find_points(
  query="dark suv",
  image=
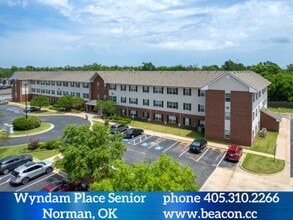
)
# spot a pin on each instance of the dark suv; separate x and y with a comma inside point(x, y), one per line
point(32, 109)
point(118, 128)
point(133, 132)
point(9, 163)
point(198, 145)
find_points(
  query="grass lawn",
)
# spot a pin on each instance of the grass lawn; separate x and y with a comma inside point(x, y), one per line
point(281, 110)
point(40, 154)
point(44, 126)
point(265, 144)
point(166, 129)
point(262, 165)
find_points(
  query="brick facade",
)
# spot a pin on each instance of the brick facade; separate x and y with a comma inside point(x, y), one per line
point(241, 118)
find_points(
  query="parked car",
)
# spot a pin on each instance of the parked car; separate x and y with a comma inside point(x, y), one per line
point(133, 132)
point(32, 109)
point(65, 185)
point(9, 163)
point(234, 153)
point(198, 145)
point(3, 101)
point(24, 173)
point(118, 128)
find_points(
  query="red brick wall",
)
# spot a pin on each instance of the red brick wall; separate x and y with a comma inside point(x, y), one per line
point(215, 114)
point(268, 122)
point(96, 90)
point(241, 117)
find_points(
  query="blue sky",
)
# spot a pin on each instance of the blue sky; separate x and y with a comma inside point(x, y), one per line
point(129, 32)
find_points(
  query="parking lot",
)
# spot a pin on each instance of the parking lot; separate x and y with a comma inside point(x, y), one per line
point(147, 147)
point(139, 149)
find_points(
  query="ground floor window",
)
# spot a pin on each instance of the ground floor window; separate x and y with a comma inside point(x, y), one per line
point(158, 117)
point(187, 121)
point(172, 119)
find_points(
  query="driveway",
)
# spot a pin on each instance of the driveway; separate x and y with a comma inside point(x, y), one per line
point(59, 121)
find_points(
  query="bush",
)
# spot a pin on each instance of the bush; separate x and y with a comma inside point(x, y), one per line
point(23, 123)
point(51, 144)
point(121, 120)
point(33, 144)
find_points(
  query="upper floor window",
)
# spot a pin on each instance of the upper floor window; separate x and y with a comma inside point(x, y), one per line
point(77, 84)
point(65, 84)
point(187, 91)
point(200, 108)
point(53, 83)
point(59, 83)
point(123, 99)
point(201, 93)
point(133, 88)
point(85, 95)
point(123, 87)
point(158, 103)
point(227, 115)
point(112, 86)
point(172, 91)
point(72, 84)
point(133, 101)
point(172, 105)
point(228, 97)
point(158, 89)
point(146, 102)
point(145, 89)
point(187, 106)
point(113, 98)
point(85, 85)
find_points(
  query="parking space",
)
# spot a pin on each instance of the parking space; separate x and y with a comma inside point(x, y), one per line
point(36, 184)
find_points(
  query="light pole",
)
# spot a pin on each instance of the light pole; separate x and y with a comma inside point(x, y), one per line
point(25, 97)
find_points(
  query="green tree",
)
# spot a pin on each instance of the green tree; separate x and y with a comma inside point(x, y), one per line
point(69, 102)
point(40, 101)
point(3, 137)
point(89, 153)
point(231, 66)
point(165, 174)
point(107, 108)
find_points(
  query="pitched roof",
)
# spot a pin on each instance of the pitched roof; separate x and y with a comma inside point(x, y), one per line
point(193, 79)
point(70, 76)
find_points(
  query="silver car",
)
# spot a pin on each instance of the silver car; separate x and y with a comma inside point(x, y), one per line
point(24, 173)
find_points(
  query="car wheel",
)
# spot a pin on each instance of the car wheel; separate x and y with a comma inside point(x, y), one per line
point(25, 180)
point(49, 170)
point(6, 171)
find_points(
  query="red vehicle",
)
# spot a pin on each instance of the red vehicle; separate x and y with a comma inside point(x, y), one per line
point(65, 185)
point(234, 153)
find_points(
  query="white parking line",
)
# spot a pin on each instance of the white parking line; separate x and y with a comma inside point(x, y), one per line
point(187, 149)
point(4, 182)
point(140, 138)
point(206, 150)
point(156, 142)
point(52, 174)
point(170, 146)
point(221, 159)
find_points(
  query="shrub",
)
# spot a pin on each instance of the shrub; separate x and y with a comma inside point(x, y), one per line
point(33, 144)
point(23, 123)
point(51, 144)
point(121, 120)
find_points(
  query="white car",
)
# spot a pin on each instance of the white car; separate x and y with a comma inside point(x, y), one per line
point(24, 173)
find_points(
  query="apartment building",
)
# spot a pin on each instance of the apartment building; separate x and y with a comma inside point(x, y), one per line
point(225, 105)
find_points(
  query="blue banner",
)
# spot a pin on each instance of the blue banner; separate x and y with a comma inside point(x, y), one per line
point(146, 205)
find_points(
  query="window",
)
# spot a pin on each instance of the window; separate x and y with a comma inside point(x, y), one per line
point(132, 88)
point(187, 106)
point(65, 84)
point(187, 91)
point(72, 93)
point(123, 99)
point(201, 93)
point(85, 85)
point(123, 87)
point(48, 91)
point(172, 91)
point(227, 134)
point(187, 121)
point(42, 90)
point(42, 82)
point(59, 92)
point(158, 103)
point(145, 89)
point(65, 93)
point(112, 86)
point(53, 92)
point(227, 115)
point(200, 108)
point(77, 94)
point(173, 105)
point(59, 83)
point(133, 101)
point(85, 95)
point(47, 82)
point(228, 97)
point(77, 84)
point(72, 84)
point(113, 98)
point(146, 102)
point(158, 117)
point(172, 119)
point(53, 83)
point(158, 89)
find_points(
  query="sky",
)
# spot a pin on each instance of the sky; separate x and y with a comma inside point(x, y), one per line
point(51, 33)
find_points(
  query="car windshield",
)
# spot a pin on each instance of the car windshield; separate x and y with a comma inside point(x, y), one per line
point(231, 152)
point(196, 144)
point(14, 173)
